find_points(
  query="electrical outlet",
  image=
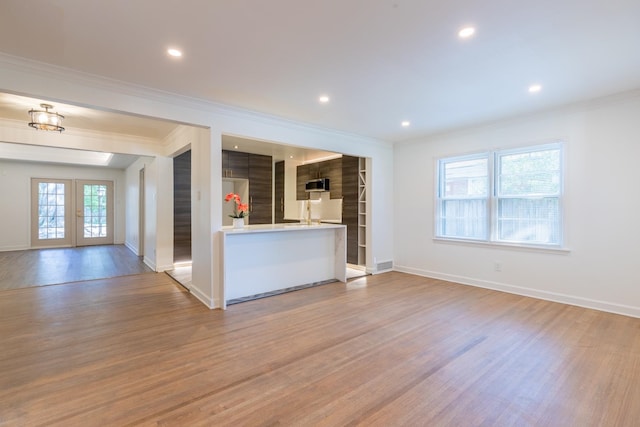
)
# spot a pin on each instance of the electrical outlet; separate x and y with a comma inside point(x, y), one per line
point(497, 266)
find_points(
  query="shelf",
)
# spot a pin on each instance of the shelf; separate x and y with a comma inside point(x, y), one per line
point(362, 215)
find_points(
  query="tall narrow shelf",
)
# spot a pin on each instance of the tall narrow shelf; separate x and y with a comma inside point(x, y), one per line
point(362, 211)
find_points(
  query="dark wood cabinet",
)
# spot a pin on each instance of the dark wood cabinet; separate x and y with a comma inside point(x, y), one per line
point(331, 169)
point(350, 171)
point(260, 187)
point(278, 192)
point(302, 176)
point(235, 164)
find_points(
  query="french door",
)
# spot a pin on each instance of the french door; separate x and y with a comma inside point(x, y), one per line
point(51, 212)
point(94, 213)
point(61, 218)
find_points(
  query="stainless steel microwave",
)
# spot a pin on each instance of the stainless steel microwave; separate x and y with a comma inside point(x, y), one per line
point(320, 184)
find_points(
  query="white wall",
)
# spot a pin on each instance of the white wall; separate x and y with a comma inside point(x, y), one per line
point(15, 192)
point(132, 197)
point(602, 201)
point(158, 214)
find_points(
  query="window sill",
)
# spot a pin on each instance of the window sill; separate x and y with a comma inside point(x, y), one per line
point(500, 245)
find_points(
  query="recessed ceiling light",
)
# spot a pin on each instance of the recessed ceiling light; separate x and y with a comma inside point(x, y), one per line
point(323, 99)
point(405, 123)
point(291, 157)
point(466, 32)
point(174, 52)
point(235, 146)
point(535, 88)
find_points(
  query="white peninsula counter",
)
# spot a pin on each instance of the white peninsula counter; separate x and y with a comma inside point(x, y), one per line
point(264, 259)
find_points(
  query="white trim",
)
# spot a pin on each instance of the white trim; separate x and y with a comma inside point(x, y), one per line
point(14, 248)
point(209, 302)
point(149, 263)
point(132, 248)
point(164, 267)
point(605, 306)
point(553, 249)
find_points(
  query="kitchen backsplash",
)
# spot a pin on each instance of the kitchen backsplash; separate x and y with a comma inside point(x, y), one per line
point(322, 209)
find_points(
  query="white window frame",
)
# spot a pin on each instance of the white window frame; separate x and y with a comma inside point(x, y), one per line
point(492, 196)
point(441, 188)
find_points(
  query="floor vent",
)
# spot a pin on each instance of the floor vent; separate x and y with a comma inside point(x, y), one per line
point(382, 266)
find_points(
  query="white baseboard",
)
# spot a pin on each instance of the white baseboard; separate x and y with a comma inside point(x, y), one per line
point(209, 302)
point(132, 248)
point(165, 267)
point(14, 248)
point(609, 307)
point(149, 263)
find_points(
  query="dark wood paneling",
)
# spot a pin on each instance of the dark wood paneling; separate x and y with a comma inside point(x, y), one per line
point(279, 193)
point(302, 176)
point(332, 169)
point(235, 164)
point(350, 205)
point(182, 207)
point(260, 189)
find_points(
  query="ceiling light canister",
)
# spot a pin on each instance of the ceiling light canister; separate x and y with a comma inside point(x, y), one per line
point(405, 123)
point(46, 120)
point(174, 52)
point(535, 88)
point(323, 99)
point(466, 32)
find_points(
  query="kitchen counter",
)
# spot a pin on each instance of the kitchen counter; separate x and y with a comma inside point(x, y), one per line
point(288, 226)
point(266, 259)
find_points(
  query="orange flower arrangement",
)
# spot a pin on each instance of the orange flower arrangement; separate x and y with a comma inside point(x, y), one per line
point(240, 210)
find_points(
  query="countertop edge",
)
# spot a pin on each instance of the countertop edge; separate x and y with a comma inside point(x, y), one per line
point(275, 228)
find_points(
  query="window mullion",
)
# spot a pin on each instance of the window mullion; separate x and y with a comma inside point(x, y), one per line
point(492, 206)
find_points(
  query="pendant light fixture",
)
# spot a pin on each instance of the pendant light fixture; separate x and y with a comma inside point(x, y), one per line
point(46, 120)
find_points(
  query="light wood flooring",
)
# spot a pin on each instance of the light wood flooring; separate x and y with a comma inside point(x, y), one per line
point(39, 267)
point(385, 350)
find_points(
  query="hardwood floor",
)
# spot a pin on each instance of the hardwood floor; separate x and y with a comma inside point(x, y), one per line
point(384, 350)
point(39, 267)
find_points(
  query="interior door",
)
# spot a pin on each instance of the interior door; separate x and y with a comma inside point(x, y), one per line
point(94, 213)
point(51, 213)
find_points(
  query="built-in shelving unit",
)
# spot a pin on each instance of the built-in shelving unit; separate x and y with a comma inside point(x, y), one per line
point(362, 211)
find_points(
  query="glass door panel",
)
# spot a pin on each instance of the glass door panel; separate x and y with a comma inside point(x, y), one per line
point(50, 213)
point(94, 213)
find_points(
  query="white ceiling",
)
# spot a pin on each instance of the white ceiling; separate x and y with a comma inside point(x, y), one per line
point(380, 61)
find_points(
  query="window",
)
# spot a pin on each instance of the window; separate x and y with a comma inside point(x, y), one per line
point(506, 196)
point(464, 197)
